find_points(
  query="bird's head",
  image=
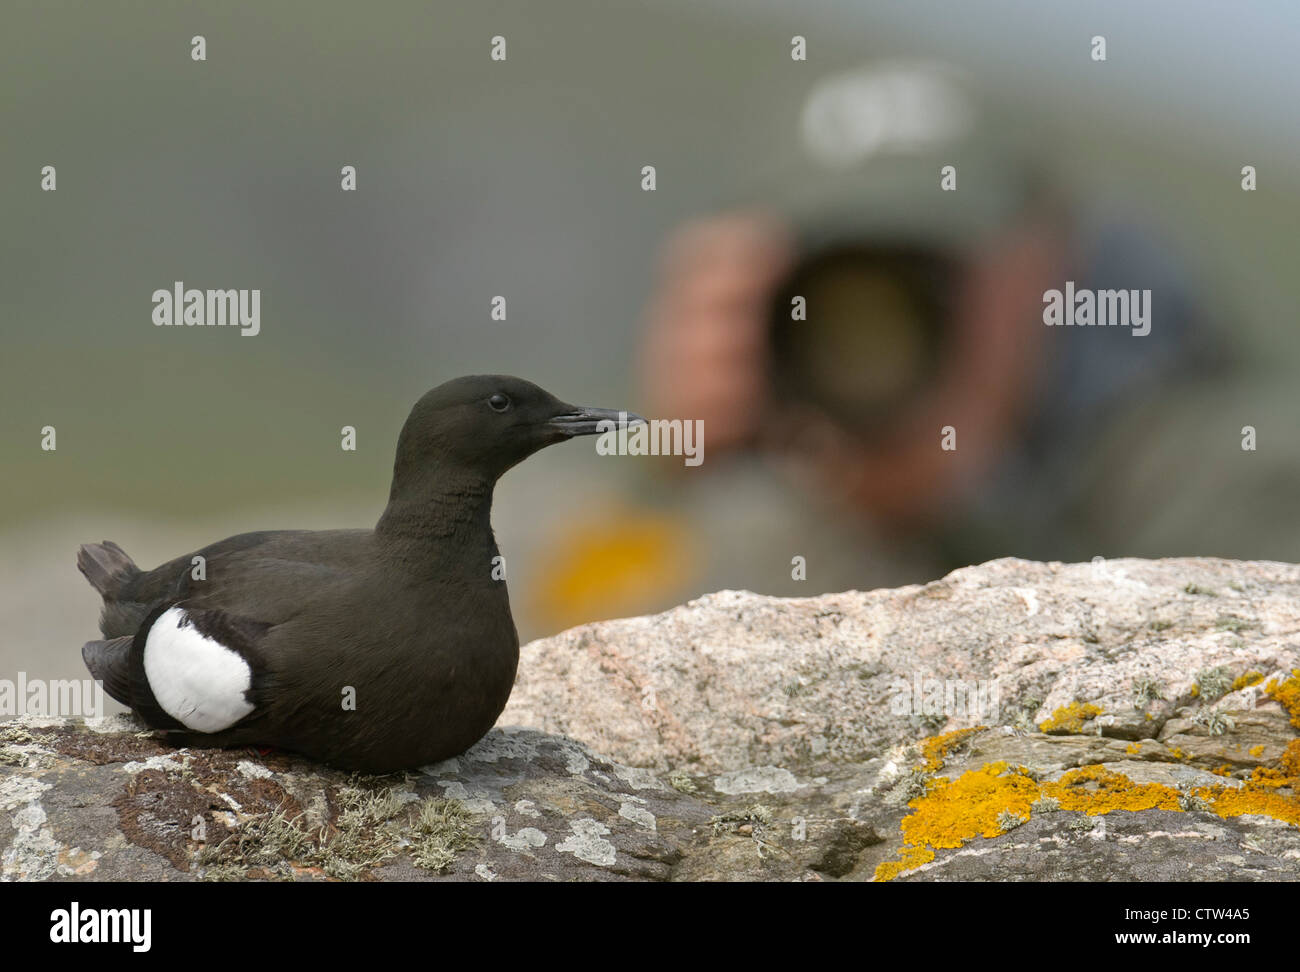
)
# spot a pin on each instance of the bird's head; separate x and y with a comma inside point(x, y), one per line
point(489, 423)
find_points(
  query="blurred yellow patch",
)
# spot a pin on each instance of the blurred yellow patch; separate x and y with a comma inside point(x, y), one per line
point(615, 564)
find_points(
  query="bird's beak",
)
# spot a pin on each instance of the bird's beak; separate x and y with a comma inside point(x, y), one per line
point(576, 420)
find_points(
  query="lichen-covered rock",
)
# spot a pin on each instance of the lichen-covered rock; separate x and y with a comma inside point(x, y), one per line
point(109, 802)
point(1134, 720)
point(1151, 704)
point(735, 679)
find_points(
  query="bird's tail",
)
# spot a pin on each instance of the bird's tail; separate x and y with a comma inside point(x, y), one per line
point(107, 567)
point(110, 662)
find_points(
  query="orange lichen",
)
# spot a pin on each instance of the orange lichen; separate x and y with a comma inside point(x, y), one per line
point(1096, 790)
point(954, 812)
point(1246, 681)
point(951, 813)
point(1264, 776)
point(1224, 770)
point(1291, 759)
point(1133, 748)
point(1287, 692)
point(1177, 753)
point(1229, 801)
point(1256, 751)
point(909, 860)
point(1070, 718)
point(934, 749)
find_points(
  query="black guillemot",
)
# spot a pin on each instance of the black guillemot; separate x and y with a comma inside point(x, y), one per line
point(373, 650)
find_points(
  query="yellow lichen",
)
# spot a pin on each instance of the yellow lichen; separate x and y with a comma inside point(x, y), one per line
point(980, 801)
point(909, 860)
point(1196, 690)
point(1247, 680)
point(954, 812)
point(1096, 790)
point(1228, 801)
point(1070, 718)
point(1133, 748)
point(1287, 692)
point(1291, 759)
point(1265, 776)
point(934, 749)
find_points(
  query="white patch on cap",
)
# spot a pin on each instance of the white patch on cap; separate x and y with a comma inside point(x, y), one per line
point(198, 682)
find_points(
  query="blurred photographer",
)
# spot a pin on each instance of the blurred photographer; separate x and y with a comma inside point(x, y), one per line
point(881, 398)
point(836, 332)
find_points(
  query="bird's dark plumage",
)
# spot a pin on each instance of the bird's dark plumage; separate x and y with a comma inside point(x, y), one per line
point(374, 650)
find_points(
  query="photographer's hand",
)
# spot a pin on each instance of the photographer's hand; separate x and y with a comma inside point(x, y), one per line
point(705, 354)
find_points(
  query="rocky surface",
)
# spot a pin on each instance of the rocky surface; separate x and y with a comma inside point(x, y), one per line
point(1128, 720)
point(734, 679)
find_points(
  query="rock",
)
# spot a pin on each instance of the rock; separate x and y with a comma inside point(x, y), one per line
point(1131, 720)
point(735, 679)
point(1156, 674)
point(111, 803)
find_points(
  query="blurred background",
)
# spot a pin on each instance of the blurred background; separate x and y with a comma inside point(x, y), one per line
point(776, 179)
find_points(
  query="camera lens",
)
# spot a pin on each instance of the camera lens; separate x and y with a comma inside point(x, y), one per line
point(874, 323)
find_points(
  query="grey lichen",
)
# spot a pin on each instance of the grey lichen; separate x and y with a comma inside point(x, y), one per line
point(1145, 691)
point(1187, 800)
point(368, 831)
point(928, 722)
point(360, 840)
point(442, 828)
point(753, 822)
point(1009, 821)
point(681, 781)
point(732, 821)
point(1215, 722)
point(1214, 682)
point(1022, 722)
point(908, 787)
point(269, 841)
point(1230, 622)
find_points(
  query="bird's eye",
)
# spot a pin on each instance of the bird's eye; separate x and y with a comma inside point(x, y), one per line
point(498, 402)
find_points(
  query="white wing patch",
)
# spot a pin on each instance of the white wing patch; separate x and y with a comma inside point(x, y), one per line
point(198, 682)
